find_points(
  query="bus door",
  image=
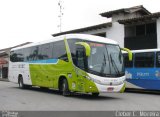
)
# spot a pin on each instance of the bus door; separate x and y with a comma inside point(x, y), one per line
point(128, 66)
point(81, 64)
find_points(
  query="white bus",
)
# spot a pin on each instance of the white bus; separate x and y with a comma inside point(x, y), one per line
point(70, 63)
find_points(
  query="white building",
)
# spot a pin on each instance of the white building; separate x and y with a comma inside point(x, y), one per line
point(134, 28)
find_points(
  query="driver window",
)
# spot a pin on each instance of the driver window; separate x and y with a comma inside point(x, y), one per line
point(80, 55)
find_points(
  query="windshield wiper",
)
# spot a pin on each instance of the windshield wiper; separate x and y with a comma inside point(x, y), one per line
point(103, 64)
point(114, 66)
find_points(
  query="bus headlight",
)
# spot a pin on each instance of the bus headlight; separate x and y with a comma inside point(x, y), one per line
point(93, 79)
point(89, 78)
point(121, 82)
point(97, 81)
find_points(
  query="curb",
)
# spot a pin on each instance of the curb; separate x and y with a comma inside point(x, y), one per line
point(2, 79)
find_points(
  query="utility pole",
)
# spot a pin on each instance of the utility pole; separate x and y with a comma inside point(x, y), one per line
point(60, 15)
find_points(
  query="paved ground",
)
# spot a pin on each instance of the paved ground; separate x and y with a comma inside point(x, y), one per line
point(13, 98)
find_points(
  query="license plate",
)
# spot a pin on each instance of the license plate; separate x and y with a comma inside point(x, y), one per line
point(110, 89)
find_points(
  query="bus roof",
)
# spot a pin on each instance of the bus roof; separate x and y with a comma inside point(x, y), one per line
point(86, 37)
point(144, 50)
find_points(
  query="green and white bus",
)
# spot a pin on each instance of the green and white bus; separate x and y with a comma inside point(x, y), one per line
point(70, 63)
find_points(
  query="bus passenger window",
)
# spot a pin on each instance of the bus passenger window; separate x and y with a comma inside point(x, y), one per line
point(17, 56)
point(59, 51)
point(158, 59)
point(45, 51)
point(72, 46)
point(143, 60)
point(127, 63)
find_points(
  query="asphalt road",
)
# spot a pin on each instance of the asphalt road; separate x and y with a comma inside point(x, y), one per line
point(13, 98)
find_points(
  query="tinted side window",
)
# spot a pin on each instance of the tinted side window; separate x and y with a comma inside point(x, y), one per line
point(17, 56)
point(127, 63)
point(13, 56)
point(20, 55)
point(144, 59)
point(80, 55)
point(72, 47)
point(33, 53)
point(59, 50)
point(158, 59)
point(44, 52)
point(27, 54)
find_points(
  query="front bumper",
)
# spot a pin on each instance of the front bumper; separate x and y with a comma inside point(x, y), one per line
point(112, 88)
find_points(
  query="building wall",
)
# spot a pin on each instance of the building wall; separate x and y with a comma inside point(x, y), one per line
point(158, 33)
point(117, 17)
point(116, 32)
point(4, 67)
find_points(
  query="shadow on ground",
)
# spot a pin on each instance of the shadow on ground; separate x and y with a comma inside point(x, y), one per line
point(143, 91)
point(73, 95)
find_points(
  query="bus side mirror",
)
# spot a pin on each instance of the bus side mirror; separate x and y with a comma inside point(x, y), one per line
point(129, 53)
point(86, 46)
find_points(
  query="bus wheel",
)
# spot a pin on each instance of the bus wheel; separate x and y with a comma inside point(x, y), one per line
point(44, 88)
point(95, 94)
point(20, 82)
point(65, 89)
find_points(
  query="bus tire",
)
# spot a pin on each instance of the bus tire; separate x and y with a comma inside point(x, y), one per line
point(95, 94)
point(44, 88)
point(20, 82)
point(65, 89)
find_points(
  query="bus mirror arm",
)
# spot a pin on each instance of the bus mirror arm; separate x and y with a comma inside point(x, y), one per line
point(129, 53)
point(86, 46)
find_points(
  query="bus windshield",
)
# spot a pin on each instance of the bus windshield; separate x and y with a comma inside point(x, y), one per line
point(105, 60)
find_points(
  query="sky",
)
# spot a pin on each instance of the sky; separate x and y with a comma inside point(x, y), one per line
point(35, 20)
